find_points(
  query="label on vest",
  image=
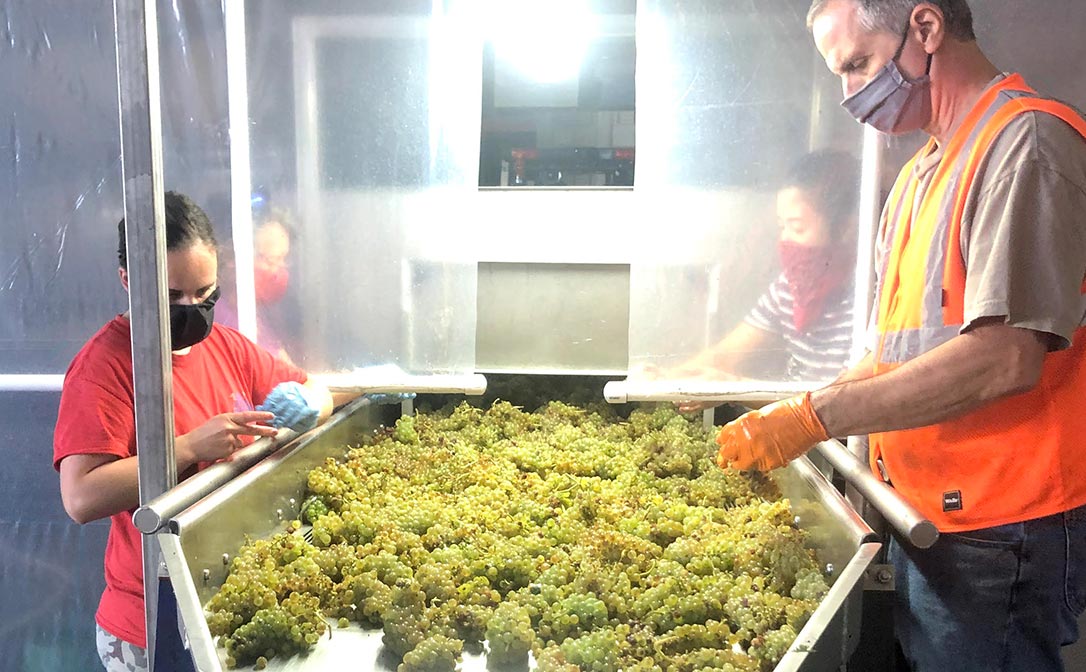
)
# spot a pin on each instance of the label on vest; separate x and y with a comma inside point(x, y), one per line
point(952, 501)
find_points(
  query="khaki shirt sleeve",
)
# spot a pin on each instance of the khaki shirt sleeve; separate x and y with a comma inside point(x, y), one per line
point(1024, 230)
point(881, 253)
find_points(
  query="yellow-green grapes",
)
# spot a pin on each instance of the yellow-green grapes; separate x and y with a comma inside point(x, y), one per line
point(593, 542)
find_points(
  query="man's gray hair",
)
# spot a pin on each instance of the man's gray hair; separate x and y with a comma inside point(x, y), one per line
point(892, 16)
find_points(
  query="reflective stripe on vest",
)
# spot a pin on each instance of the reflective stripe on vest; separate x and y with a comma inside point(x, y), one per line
point(918, 311)
point(1017, 458)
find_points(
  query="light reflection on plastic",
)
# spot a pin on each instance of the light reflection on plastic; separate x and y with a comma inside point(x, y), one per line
point(455, 90)
point(656, 113)
point(546, 41)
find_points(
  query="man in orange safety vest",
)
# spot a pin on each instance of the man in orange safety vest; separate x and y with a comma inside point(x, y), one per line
point(976, 361)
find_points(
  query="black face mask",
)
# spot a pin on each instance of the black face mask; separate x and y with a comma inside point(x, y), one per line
point(190, 324)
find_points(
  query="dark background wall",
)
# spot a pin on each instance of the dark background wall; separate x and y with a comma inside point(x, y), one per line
point(50, 568)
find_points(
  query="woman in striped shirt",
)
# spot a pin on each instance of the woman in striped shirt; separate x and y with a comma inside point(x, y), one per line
point(807, 312)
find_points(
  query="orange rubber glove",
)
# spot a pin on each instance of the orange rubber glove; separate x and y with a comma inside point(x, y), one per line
point(770, 437)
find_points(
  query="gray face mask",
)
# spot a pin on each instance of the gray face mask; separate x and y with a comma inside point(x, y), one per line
point(890, 102)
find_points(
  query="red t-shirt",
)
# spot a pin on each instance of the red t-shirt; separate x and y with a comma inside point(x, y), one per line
point(219, 375)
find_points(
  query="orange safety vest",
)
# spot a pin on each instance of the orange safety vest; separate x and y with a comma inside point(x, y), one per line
point(1016, 459)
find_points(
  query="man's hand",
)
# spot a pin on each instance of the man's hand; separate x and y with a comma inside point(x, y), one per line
point(292, 407)
point(220, 436)
point(772, 436)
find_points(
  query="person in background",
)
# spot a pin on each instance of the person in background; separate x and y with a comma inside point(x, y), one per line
point(807, 312)
point(973, 386)
point(216, 371)
point(271, 279)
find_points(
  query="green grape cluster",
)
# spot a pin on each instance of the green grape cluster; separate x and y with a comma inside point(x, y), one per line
point(509, 634)
point(715, 660)
point(772, 646)
point(593, 542)
point(292, 626)
point(405, 622)
point(551, 659)
point(370, 597)
point(313, 508)
point(405, 431)
point(572, 615)
point(687, 638)
point(436, 653)
point(809, 585)
point(339, 561)
point(242, 595)
point(304, 576)
point(597, 651)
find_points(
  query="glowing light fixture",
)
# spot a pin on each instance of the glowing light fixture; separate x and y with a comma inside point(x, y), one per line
point(545, 40)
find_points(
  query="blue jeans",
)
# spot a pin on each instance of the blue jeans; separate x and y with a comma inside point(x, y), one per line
point(1000, 599)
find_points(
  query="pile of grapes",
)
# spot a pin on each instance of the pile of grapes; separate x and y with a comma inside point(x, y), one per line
point(592, 542)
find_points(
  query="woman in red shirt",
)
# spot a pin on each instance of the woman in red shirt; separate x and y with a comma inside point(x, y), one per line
point(217, 372)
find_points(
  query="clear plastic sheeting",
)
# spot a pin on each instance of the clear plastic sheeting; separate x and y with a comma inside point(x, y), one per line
point(730, 97)
point(381, 128)
point(59, 181)
point(60, 188)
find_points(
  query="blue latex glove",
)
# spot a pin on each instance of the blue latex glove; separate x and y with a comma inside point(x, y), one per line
point(389, 397)
point(292, 407)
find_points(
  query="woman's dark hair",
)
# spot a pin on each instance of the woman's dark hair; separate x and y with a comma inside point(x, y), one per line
point(831, 179)
point(186, 223)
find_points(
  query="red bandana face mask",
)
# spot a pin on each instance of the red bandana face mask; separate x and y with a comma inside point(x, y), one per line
point(271, 286)
point(814, 274)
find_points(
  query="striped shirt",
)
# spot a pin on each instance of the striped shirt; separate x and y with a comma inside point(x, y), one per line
point(821, 352)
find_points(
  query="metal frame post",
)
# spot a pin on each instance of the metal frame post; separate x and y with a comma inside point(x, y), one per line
point(870, 213)
point(136, 30)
